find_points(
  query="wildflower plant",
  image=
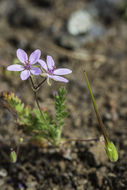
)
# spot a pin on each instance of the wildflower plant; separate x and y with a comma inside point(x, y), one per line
point(38, 123)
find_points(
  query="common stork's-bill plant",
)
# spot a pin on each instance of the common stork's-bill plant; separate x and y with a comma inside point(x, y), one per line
point(37, 122)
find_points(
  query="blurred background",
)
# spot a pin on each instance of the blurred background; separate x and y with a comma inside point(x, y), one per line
point(80, 35)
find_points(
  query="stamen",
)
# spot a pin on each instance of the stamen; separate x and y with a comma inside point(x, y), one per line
point(27, 65)
point(51, 71)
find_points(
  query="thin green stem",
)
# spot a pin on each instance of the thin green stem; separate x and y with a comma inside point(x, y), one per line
point(96, 110)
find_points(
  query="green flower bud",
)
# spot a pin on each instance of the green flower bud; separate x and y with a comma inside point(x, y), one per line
point(13, 156)
point(111, 151)
point(21, 140)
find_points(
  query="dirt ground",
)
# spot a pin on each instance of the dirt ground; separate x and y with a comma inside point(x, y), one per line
point(42, 24)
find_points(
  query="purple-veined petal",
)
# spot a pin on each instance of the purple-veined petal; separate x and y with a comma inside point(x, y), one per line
point(15, 67)
point(50, 62)
point(22, 56)
point(57, 78)
point(36, 71)
point(43, 64)
point(35, 56)
point(62, 71)
point(25, 74)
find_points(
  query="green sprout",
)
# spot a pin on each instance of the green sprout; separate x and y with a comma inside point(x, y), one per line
point(34, 124)
point(13, 156)
point(109, 146)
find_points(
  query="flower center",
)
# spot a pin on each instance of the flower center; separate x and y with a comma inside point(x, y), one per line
point(27, 65)
point(51, 71)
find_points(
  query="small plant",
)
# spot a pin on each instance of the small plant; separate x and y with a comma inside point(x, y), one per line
point(38, 123)
point(109, 146)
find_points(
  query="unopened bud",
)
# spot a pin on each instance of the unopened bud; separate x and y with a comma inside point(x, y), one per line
point(21, 140)
point(13, 156)
point(111, 151)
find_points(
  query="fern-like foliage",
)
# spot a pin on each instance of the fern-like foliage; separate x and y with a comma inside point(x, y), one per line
point(33, 123)
point(60, 107)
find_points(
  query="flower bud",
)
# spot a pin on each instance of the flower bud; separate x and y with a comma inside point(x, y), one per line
point(21, 140)
point(13, 156)
point(111, 151)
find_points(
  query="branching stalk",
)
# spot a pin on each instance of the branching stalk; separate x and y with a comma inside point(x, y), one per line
point(36, 98)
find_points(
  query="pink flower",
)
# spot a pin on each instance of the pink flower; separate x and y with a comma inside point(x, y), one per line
point(26, 64)
point(51, 71)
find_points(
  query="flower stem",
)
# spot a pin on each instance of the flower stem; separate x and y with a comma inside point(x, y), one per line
point(96, 111)
point(36, 98)
point(36, 88)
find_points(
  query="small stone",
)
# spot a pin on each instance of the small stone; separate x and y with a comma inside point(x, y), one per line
point(98, 151)
point(3, 173)
point(112, 175)
point(80, 22)
point(62, 166)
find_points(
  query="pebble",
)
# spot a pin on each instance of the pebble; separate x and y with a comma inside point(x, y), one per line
point(98, 150)
point(80, 22)
point(84, 26)
point(3, 173)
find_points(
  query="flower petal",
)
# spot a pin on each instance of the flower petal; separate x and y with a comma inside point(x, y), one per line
point(58, 78)
point(22, 56)
point(15, 67)
point(62, 71)
point(35, 56)
point(50, 62)
point(36, 71)
point(43, 64)
point(25, 74)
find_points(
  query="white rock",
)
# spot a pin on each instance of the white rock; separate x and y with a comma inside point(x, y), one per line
point(80, 22)
point(3, 173)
